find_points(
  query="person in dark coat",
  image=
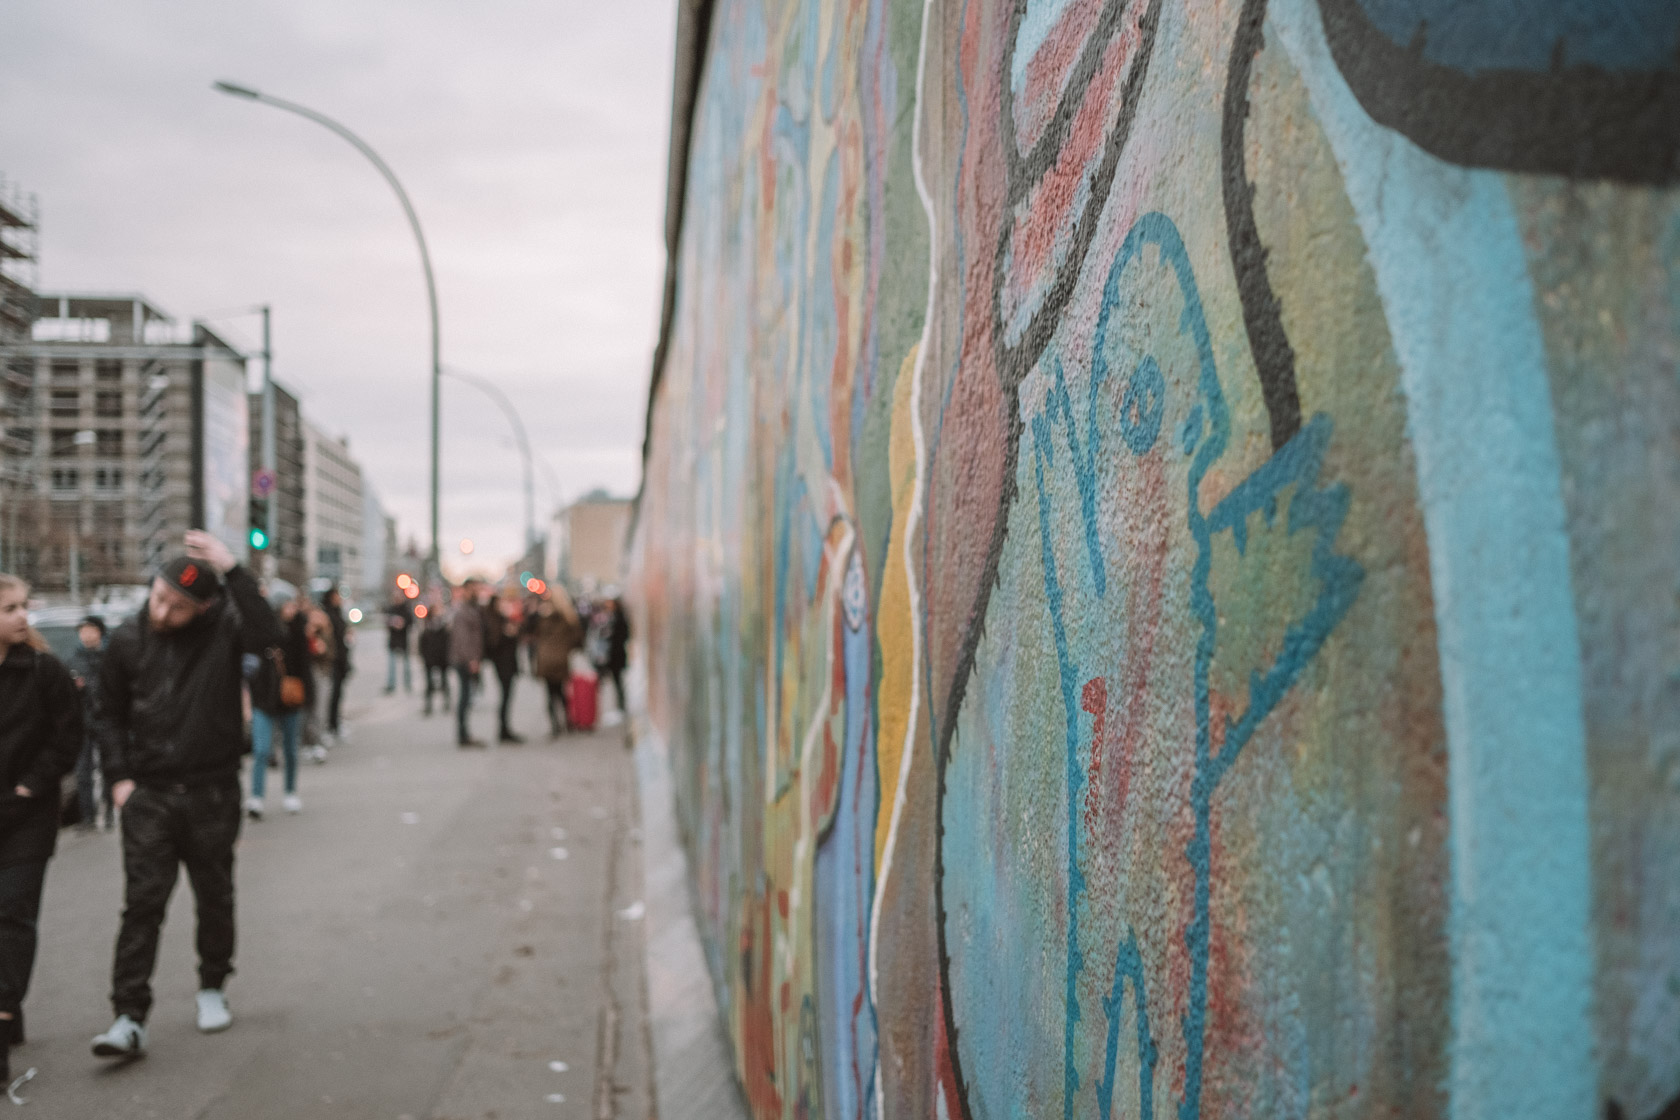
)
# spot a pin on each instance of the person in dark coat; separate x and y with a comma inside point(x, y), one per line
point(172, 733)
point(399, 620)
point(503, 639)
point(40, 736)
point(434, 654)
point(333, 604)
point(84, 667)
point(270, 710)
point(467, 646)
point(617, 659)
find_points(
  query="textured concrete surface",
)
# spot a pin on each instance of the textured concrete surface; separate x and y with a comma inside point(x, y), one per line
point(410, 945)
point(1156, 554)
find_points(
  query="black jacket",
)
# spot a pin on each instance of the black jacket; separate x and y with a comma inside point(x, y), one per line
point(341, 642)
point(171, 707)
point(40, 724)
point(398, 618)
point(84, 666)
point(503, 648)
point(294, 662)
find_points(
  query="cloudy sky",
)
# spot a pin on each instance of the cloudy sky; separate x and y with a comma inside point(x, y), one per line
point(531, 138)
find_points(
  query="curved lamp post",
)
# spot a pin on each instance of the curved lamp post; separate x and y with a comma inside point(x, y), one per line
point(489, 388)
point(435, 570)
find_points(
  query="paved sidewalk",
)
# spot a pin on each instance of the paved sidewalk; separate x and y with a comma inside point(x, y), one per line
point(441, 933)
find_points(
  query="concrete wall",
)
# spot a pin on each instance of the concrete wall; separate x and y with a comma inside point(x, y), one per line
point(1159, 555)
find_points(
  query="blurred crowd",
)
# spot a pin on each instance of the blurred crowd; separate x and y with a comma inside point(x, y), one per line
point(154, 717)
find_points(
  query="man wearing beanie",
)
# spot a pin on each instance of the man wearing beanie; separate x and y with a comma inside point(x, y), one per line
point(171, 736)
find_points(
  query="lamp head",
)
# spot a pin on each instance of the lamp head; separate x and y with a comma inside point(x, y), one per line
point(237, 90)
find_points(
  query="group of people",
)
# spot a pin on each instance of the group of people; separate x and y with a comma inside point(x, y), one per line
point(315, 642)
point(163, 702)
point(565, 643)
point(157, 709)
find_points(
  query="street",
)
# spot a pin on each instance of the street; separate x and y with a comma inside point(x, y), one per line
point(441, 933)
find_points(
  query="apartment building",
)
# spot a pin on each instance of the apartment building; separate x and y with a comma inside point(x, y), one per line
point(135, 434)
point(19, 229)
point(333, 513)
point(586, 541)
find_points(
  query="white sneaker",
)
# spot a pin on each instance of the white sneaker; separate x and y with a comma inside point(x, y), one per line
point(213, 1013)
point(254, 808)
point(125, 1039)
point(318, 754)
point(293, 803)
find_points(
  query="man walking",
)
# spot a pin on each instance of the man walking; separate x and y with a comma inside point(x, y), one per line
point(333, 604)
point(467, 634)
point(85, 663)
point(171, 734)
point(399, 619)
point(434, 654)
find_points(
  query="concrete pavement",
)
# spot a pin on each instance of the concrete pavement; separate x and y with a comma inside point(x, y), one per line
point(440, 934)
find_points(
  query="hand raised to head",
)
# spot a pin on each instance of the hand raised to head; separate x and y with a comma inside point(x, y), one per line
point(208, 549)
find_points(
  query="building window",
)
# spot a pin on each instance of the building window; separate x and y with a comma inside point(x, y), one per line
point(63, 372)
point(65, 402)
point(66, 478)
point(107, 369)
point(108, 403)
point(63, 444)
point(108, 443)
point(108, 478)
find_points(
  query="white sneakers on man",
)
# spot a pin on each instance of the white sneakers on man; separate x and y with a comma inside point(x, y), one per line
point(254, 808)
point(125, 1039)
point(213, 1013)
point(292, 803)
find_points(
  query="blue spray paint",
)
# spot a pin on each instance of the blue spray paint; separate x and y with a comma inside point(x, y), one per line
point(1294, 469)
point(1450, 266)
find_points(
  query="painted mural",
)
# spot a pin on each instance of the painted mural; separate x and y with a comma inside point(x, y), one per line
point(1160, 556)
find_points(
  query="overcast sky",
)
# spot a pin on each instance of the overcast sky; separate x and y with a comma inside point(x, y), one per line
point(531, 138)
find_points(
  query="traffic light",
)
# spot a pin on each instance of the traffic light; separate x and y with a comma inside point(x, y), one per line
point(258, 518)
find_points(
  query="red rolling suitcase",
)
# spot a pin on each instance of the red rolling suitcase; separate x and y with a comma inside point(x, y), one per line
point(581, 703)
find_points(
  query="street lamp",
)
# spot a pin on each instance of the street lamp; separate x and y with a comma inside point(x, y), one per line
point(490, 389)
point(436, 571)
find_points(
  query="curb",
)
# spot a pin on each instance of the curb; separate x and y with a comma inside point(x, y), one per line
point(693, 1063)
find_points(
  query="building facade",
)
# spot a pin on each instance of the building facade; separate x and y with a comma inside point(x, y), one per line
point(379, 547)
point(586, 542)
point(19, 227)
point(333, 508)
point(133, 436)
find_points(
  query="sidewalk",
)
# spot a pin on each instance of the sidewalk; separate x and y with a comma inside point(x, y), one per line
point(441, 933)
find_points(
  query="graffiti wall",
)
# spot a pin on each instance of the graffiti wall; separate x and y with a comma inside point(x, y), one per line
point(1160, 555)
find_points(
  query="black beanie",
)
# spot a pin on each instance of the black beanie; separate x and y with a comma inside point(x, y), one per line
point(192, 578)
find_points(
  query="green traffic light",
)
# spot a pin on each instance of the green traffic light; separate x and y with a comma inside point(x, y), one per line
point(524, 578)
point(259, 539)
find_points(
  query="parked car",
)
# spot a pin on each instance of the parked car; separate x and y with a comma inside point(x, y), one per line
point(58, 626)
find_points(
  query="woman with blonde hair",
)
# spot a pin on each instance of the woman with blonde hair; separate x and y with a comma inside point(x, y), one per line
point(559, 631)
point(40, 739)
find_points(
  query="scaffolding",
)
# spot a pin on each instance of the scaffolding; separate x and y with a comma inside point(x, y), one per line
point(19, 274)
point(20, 232)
